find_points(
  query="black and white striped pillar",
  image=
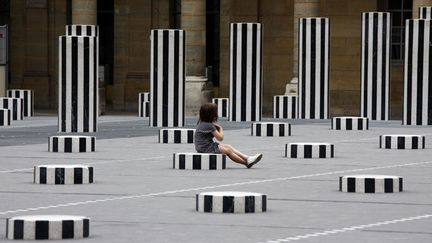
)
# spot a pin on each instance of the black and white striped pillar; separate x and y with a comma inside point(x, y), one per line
point(418, 75)
point(314, 47)
point(350, 123)
point(375, 72)
point(223, 106)
point(27, 96)
point(5, 117)
point(63, 174)
point(78, 84)
point(82, 30)
point(199, 161)
point(284, 107)
point(270, 129)
point(143, 104)
point(309, 150)
point(402, 141)
point(245, 72)
point(370, 183)
point(15, 105)
point(167, 78)
point(47, 227)
point(425, 13)
point(231, 202)
point(71, 144)
point(176, 135)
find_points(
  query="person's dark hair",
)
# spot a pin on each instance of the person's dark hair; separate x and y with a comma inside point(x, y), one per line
point(208, 113)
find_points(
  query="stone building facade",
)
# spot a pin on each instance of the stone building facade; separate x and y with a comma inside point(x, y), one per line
point(125, 28)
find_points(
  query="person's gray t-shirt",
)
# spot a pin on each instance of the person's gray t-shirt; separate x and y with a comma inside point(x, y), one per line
point(204, 138)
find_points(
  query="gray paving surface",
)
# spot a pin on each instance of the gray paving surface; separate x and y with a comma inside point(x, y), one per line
point(137, 197)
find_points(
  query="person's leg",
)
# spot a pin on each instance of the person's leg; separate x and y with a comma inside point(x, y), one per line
point(229, 151)
point(245, 157)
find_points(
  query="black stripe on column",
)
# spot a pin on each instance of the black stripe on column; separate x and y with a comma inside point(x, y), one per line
point(42, 175)
point(196, 202)
point(190, 136)
point(243, 81)
point(332, 150)
point(91, 176)
point(62, 116)
point(67, 229)
point(348, 124)
point(93, 144)
point(351, 184)
point(338, 123)
point(165, 76)
point(208, 203)
point(307, 151)
point(380, 141)
point(177, 79)
point(86, 110)
point(196, 162)
point(269, 130)
point(369, 184)
point(59, 175)
point(86, 228)
point(322, 151)
point(18, 230)
point(410, 70)
point(400, 184)
point(293, 151)
point(78, 176)
point(400, 142)
point(55, 144)
point(249, 204)
point(95, 82)
point(340, 183)
point(234, 74)
point(374, 65)
point(165, 136)
point(388, 185)
point(182, 161)
point(414, 143)
point(359, 124)
point(264, 203)
point(42, 230)
point(213, 162)
point(258, 129)
point(82, 144)
point(228, 204)
point(68, 145)
point(255, 89)
point(388, 142)
point(281, 130)
point(303, 63)
point(74, 82)
point(324, 65)
point(385, 81)
point(177, 136)
point(420, 72)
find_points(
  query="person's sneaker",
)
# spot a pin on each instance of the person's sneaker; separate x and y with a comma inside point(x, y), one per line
point(252, 160)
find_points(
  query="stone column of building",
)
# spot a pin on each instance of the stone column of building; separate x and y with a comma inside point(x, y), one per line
point(302, 8)
point(193, 21)
point(417, 4)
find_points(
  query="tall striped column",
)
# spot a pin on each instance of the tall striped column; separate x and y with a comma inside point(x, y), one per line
point(425, 13)
point(417, 73)
point(82, 30)
point(375, 73)
point(314, 46)
point(245, 72)
point(167, 78)
point(78, 83)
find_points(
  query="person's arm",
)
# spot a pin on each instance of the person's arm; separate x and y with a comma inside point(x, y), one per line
point(218, 133)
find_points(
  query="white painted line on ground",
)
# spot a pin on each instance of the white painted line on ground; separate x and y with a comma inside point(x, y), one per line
point(352, 228)
point(207, 187)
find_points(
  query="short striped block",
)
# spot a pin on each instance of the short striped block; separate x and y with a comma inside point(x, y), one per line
point(350, 123)
point(47, 227)
point(199, 161)
point(370, 183)
point(309, 150)
point(27, 96)
point(270, 129)
point(402, 141)
point(82, 30)
point(16, 106)
point(285, 107)
point(223, 106)
point(143, 104)
point(71, 144)
point(231, 202)
point(5, 117)
point(176, 135)
point(63, 174)
point(425, 12)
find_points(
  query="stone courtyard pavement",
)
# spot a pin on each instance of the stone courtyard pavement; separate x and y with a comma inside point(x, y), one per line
point(138, 197)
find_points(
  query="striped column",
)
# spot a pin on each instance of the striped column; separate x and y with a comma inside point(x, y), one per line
point(82, 30)
point(375, 73)
point(231, 202)
point(245, 72)
point(417, 76)
point(143, 104)
point(15, 105)
point(78, 84)
point(370, 183)
point(223, 106)
point(27, 96)
point(314, 35)
point(5, 117)
point(167, 78)
point(425, 13)
point(63, 174)
point(285, 107)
